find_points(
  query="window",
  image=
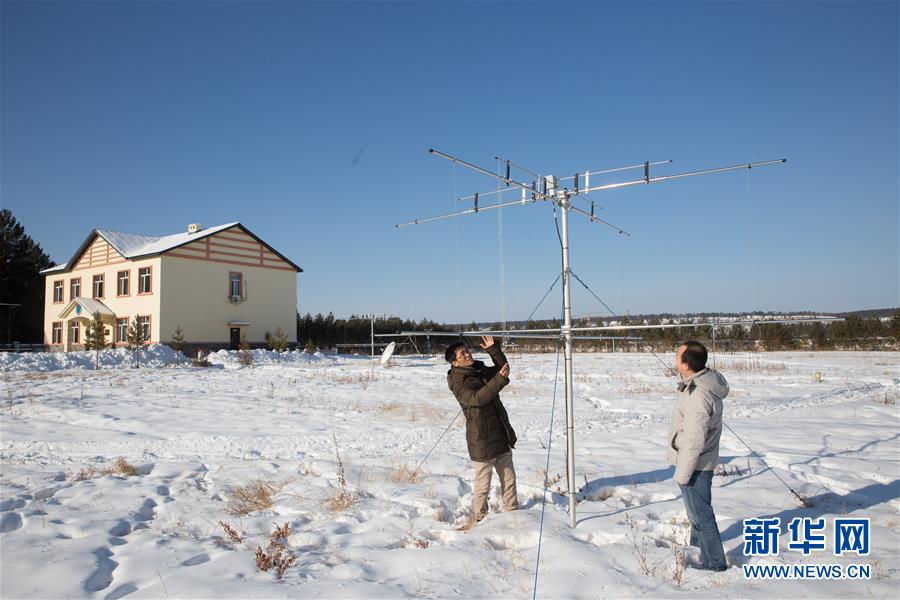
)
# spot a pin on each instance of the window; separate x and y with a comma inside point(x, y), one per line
point(57, 333)
point(73, 332)
point(122, 283)
point(144, 283)
point(74, 288)
point(235, 281)
point(57, 291)
point(144, 324)
point(98, 286)
point(122, 329)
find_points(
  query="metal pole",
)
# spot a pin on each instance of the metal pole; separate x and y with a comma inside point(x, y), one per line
point(567, 348)
point(372, 338)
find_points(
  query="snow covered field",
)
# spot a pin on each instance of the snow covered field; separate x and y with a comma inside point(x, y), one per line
point(195, 436)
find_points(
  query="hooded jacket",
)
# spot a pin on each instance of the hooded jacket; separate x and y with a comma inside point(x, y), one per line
point(477, 389)
point(696, 424)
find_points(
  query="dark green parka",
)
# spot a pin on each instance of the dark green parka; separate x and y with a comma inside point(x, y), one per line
point(477, 389)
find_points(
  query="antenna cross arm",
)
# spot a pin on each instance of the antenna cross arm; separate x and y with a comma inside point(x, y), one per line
point(505, 180)
point(612, 186)
point(468, 211)
point(598, 220)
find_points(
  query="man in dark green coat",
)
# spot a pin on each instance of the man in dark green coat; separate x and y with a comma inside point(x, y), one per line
point(489, 436)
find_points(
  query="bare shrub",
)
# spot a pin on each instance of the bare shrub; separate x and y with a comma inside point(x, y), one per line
point(253, 496)
point(680, 534)
point(274, 555)
point(343, 497)
point(233, 535)
point(245, 357)
point(638, 548)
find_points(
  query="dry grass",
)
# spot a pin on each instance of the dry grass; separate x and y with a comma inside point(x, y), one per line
point(253, 496)
point(120, 466)
point(732, 470)
point(406, 474)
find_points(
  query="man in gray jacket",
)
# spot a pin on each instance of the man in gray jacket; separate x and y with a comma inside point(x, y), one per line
point(694, 433)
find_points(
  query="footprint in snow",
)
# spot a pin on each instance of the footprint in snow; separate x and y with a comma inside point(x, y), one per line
point(196, 560)
point(147, 511)
point(10, 522)
point(120, 529)
point(102, 576)
point(11, 504)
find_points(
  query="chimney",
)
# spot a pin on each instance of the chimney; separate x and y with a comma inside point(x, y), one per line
point(194, 227)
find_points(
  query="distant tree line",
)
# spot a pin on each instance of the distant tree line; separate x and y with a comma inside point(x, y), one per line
point(326, 331)
point(853, 333)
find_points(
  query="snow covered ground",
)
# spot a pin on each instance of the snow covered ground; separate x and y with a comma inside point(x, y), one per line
point(195, 436)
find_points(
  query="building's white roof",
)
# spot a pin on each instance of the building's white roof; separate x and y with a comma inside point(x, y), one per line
point(61, 267)
point(131, 245)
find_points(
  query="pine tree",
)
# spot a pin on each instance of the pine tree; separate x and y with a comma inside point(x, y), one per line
point(95, 338)
point(279, 341)
point(245, 357)
point(21, 261)
point(177, 343)
point(135, 339)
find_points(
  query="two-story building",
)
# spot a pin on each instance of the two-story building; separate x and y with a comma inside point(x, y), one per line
point(217, 284)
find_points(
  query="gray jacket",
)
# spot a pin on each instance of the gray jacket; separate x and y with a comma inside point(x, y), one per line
point(696, 424)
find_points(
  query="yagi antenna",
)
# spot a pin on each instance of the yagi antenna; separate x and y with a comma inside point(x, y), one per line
point(550, 188)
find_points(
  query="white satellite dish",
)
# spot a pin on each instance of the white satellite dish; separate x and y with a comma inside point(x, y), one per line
point(388, 352)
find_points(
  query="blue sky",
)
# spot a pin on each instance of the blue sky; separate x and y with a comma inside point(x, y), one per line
point(310, 123)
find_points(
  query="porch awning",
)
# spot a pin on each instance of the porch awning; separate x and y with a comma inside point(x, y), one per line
point(85, 307)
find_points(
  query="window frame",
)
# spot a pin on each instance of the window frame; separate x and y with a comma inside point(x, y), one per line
point(56, 327)
point(98, 278)
point(60, 285)
point(127, 280)
point(149, 281)
point(72, 283)
point(240, 282)
point(124, 338)
point(149, 324)
point(75, 328)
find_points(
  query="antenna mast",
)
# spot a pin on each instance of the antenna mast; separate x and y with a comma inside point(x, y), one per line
point(551, 191)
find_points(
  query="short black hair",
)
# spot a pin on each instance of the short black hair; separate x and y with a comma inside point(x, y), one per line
point(450, 352)
point(694, 355)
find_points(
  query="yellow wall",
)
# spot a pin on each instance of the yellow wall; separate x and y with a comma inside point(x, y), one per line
point(127, 306)
point(195, 297)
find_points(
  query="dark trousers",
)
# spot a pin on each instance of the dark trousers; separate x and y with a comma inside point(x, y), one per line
point(697, 496)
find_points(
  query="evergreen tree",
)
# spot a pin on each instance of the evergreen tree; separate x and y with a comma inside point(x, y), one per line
point(177, 343)
point(135, 339)
point(279, 341)
point(95, 338)
point(21, 261)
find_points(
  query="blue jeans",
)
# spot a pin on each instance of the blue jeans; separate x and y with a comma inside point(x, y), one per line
point(697, 496)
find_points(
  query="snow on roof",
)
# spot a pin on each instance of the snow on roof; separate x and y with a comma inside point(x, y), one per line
point(61, 267)
point(90, 306)
point(131, 245)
